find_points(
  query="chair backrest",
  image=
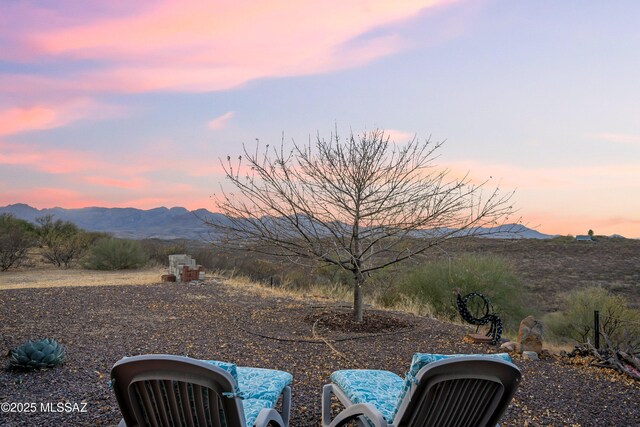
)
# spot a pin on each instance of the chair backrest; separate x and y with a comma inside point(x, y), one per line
point(164, 390)
point(465, 391)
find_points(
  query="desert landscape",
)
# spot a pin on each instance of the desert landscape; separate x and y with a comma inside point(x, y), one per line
point(316, 186)
point(103, 316)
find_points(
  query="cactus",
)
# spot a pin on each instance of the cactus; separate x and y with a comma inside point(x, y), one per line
point(37, 354)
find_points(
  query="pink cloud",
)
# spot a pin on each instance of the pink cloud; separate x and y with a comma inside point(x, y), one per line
point(50, 160)
point(41, 116)
point(132, 183)
point(220, 121)
point(398, 136)
point(213, 45)
point(15, 120)
point(561, 177)
point(92, 168)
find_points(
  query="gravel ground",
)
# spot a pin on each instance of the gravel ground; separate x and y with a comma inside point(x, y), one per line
point(101, 324)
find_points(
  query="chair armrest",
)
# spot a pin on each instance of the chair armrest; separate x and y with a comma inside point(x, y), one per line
point(350, 412)
point(358, 410)
point(266, 416)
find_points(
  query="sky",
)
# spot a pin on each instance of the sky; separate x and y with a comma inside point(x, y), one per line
point(133, 104)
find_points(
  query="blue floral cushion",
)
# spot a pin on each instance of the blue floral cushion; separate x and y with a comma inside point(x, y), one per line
point(382, 389)
point(225, 366)
point(259, 383)
point(259, 388)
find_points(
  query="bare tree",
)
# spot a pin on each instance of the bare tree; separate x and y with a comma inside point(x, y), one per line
point(362, 204)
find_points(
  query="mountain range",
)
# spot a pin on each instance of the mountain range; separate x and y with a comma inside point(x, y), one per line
point(176, 223)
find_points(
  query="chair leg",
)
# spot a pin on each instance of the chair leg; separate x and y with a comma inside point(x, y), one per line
point(286, 405)
point(327, 390)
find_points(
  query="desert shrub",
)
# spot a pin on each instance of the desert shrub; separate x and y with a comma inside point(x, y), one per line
point(564, 239)
point(261, 270)
point(16, 238)
point(257, 267)
point(266, 269)
point(116, 254)
point(158, 251)
point(205, 256)
point(432, 285)
point(62, 242)
point(332, 274)
point(574, 323)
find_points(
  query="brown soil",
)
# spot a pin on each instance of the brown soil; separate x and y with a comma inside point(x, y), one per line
point(101, 324)
point(343, 321)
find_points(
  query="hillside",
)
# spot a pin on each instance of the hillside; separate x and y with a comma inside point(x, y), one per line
point(178, 222)
point(161, 223)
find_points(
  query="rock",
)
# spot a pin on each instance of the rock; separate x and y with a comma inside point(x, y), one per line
point(531, 355)
point(477, 338)
point(509, 346)
point(530, 335)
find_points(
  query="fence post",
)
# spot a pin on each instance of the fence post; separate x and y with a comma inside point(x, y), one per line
point(596, 329)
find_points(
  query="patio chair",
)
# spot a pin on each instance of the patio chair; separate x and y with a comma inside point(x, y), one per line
point(438, 390)
point(165, 390)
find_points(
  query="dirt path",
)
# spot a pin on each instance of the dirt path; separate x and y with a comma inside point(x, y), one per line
point(101, 324)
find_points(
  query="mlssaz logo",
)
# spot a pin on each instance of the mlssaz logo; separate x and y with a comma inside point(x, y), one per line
point(65, 407)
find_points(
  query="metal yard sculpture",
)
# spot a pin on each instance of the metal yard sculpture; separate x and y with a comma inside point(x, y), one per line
point(476, 309)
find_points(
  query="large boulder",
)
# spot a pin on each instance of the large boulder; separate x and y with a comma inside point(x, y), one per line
point(530, 335)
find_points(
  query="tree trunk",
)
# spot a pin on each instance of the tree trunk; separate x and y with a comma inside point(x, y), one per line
point(357, 297)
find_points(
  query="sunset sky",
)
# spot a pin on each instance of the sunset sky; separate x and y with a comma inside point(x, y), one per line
point(132, 103)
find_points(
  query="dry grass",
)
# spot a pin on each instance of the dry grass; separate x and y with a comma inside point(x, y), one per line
point(244, 284)
point(53, 278)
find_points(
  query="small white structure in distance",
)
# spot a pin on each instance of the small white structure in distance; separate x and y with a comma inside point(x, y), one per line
point(185, 268)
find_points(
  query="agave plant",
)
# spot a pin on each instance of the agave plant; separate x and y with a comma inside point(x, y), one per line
point(37, 354)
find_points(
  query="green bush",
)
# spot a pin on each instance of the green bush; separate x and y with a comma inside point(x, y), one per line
point(574, 323)
point(62, 242)
point(116, 254)
point(16, 238)
point(158, 250)
point(432, 285)
point(205, 256)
